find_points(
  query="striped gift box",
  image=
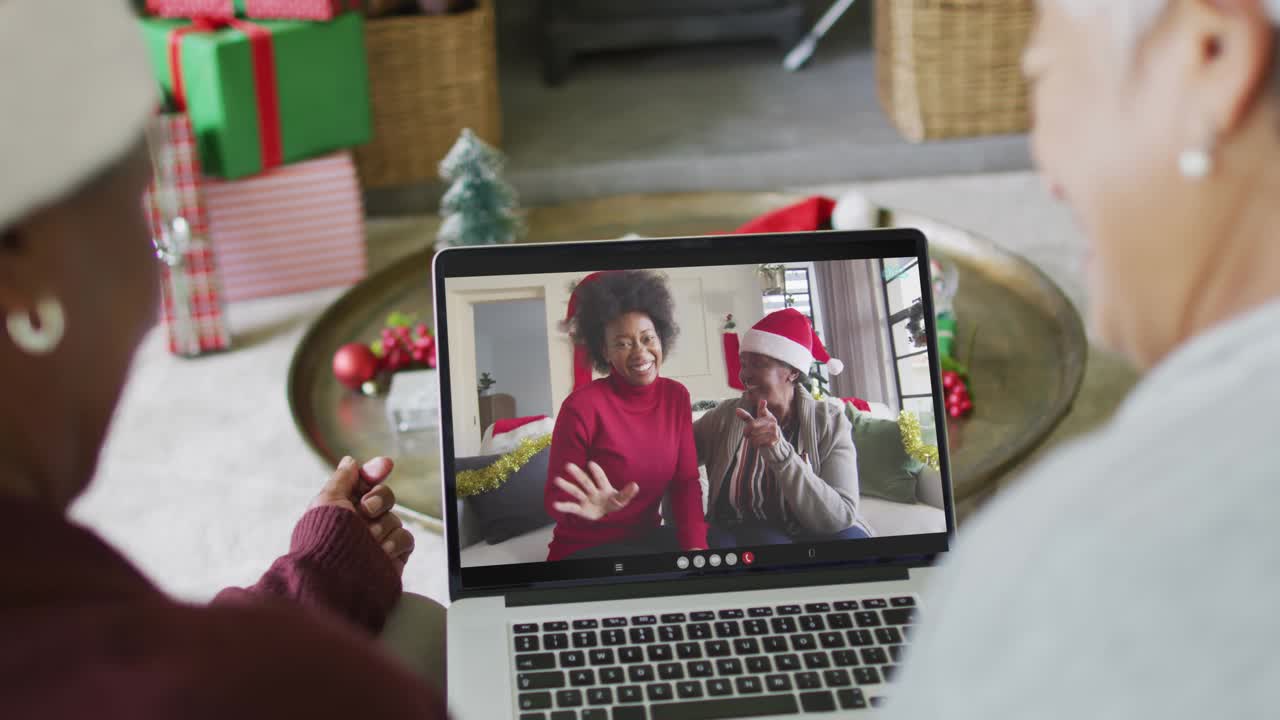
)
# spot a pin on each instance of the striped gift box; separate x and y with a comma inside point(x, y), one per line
point(297, 227)
point(265, 9)
point(301, 9)
point(191, 301)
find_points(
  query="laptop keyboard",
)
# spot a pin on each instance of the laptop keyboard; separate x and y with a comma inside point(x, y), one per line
point(724, 663)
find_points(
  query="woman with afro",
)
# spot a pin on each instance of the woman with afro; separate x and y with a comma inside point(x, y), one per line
point(624, 442)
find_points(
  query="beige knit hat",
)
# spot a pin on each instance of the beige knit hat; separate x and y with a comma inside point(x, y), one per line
point(75, 93)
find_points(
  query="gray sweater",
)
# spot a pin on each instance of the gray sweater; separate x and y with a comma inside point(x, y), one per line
point(1136, 573)
point(820, 478)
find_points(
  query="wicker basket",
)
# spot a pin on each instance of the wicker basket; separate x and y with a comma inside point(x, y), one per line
point(430, 76)
point(377, 8)
point(952, 68)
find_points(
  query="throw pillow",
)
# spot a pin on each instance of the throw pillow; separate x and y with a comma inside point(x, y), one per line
point(885, 470)
point(506, 425)
point(497, 443)
point(514, 507)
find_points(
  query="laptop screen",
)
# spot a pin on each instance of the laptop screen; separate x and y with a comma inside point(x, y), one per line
point(678, 408)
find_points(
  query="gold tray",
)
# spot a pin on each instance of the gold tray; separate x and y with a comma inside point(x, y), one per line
point(1026, 364)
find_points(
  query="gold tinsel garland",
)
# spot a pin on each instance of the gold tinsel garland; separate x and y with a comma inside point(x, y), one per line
point(474, 482)
point(909, 426)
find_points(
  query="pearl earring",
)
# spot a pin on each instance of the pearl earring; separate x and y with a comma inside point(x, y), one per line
point(1197, 163)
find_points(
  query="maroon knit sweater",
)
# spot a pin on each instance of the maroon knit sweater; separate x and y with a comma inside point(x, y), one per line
point(84, 634)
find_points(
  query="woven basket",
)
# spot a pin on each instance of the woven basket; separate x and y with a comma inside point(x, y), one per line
point(952, 68)
point(376, 8)
point(430, 76)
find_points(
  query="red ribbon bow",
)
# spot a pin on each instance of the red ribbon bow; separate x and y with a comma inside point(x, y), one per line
point(264, 79)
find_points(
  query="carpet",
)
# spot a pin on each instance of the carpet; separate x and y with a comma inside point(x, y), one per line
point(707, 117)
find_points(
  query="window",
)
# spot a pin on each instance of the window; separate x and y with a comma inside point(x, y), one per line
point(903, 291)
point(798, 293)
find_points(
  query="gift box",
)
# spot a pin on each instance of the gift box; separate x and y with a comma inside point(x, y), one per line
point(271, 9)
point(264, 93)
point(192, 300)
point(298, 227)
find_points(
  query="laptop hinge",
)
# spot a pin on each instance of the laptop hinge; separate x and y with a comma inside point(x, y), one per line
point(701, 586)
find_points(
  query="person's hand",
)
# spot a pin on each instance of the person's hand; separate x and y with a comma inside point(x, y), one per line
point(762, 431)
point(595, 496)
point(361, 491)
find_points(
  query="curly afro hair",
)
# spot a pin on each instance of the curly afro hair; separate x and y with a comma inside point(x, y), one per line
point(610, 294)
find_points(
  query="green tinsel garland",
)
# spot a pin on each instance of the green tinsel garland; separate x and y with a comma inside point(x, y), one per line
point(909, 426)
point(474, 482)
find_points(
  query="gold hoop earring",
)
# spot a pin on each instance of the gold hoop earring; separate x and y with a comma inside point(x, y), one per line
point(43, 340)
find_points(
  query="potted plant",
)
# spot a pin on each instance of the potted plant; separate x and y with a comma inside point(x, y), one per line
point(773, 278)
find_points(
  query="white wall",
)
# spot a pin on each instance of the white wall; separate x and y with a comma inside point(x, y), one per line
point(511, 345)
point(703, 297)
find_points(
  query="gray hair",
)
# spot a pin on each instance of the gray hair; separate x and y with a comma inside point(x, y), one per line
point(1133, 19)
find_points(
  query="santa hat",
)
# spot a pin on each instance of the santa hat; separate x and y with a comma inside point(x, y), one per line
point(786, 335)
point(77, 94)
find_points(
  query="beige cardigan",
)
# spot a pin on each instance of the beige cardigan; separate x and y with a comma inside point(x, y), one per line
point(820, 478)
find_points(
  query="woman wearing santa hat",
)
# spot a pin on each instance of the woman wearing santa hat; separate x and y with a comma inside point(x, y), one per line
point(85, 634)
point(780, 464)
point(624, 442)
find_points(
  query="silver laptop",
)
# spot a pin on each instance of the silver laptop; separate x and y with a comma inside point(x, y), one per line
point(770, 619)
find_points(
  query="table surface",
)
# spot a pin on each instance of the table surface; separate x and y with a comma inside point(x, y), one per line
point(204, 474)
point(1022, 338)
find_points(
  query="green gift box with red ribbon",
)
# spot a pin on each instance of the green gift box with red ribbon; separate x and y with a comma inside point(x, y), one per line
point(262, 93)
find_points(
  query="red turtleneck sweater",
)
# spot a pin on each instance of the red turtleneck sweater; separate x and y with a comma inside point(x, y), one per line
point(635, 433)
point(86, 635)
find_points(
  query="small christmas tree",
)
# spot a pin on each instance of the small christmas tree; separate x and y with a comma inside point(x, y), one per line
point(816, 383)
point(480, 207)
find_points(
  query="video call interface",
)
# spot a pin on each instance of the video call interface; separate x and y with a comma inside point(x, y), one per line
point(691, 419)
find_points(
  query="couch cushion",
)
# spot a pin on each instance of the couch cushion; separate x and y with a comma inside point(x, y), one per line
point(885, 469)
point(496, 443)
point(895, 518)
point(530, 547)
point(515, 507)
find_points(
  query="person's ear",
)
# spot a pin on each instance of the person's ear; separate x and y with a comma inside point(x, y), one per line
point(1229, 47)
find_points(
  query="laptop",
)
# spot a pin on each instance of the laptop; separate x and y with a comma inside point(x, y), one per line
point(786, 623)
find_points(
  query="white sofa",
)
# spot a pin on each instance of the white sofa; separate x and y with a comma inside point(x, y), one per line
point(884, 516)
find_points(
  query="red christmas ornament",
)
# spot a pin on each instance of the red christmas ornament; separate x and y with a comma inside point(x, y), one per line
point(354, 364)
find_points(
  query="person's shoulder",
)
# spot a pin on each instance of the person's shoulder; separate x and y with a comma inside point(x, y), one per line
point(674, 389)
point(725, 407)
point(829, 409)
point(585, 396)
point(297, 660)
point(721, 415)
point(160, 658)
point(829, 414)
